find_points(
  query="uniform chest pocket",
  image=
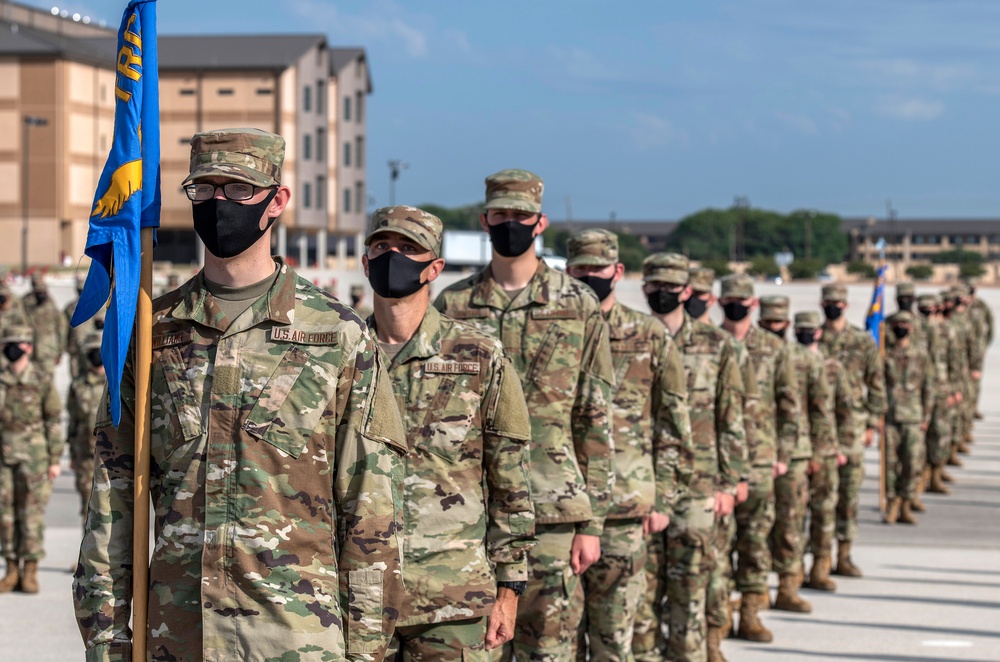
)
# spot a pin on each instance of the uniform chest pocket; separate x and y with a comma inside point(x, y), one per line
point(632, 364)
point(702, 375)
point(290, 403)
point(555, 365)
point(452, 409)
point(177, 399)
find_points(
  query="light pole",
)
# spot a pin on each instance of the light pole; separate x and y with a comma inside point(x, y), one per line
point(395, 166)
point(29, 121)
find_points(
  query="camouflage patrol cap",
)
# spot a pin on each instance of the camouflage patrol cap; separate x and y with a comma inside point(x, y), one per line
point(17, 333)
point(807, 320)
point(415, 224)
point(736, 286)
point(928, 300)
point(38, 282)
point(514, 189)
point(592, 247)
point(246, 155)
point(357, 290)
point(962, 289)
point(950, 294)
point(834, 292)
point(774, 308)
point(665, 268)
point(91, 341)
point(906, 289)
point(701, 279)
point(901, 317)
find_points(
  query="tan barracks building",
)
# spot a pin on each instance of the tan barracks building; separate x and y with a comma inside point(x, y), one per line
point(57, 98)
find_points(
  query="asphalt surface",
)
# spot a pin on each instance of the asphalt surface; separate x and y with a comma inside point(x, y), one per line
point(930, 593)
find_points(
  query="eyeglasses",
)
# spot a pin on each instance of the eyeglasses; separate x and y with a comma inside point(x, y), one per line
point(236, 191)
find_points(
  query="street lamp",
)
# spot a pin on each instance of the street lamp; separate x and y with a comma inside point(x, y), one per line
point(29, 121)
point(395, 166)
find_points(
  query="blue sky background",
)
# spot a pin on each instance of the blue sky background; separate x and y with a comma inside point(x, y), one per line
point(654, 110)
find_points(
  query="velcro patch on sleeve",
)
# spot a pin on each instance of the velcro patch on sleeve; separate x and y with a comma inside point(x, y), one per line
point(555, 314)
point(467, 313)
point(301, 337)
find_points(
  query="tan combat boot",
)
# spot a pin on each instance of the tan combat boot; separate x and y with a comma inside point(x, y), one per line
point(846, 567)
point(906, 515)
point(963, 448)
point(819, 576)
point(751, 628)
point(892, 511)
point(953, 460)
point(937, 485)
point(10, 581)
point(713, 641)
point(788, 596)
point(29, 583)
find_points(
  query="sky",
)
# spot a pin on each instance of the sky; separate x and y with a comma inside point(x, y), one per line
point(653, 110)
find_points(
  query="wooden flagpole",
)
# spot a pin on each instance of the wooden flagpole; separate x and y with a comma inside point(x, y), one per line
point(140, 530)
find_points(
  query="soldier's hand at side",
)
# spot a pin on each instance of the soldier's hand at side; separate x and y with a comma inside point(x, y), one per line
point(779, 469)
point(869, 437)
point(54, 471)
point(924, 426)
point(584, 553)
point(501, 621)
point(654, 523)
point(724, 504)
point(812, 467)
point(742, 492)
point(841, 459)
point(951, 400)
point(959, 397)
point(976, 374)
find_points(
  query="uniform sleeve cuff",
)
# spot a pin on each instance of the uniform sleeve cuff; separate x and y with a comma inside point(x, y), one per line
point(591, 528)
point(512, 572)
point(113, 652)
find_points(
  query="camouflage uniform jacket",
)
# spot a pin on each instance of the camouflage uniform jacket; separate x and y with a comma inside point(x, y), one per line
point(857, 352)
point(970, 342)
point(776, 426)
point(82, 404)
point(557, 340)
point(276, 478)
point(50, 330)
point(840, 405)
point(751, 401)
point(715, 403)
point(909, 381)
point(958, 354)
point(468, 517)
point(984, 318)
point(30, 412)
point(13, 315)
point(651, 426)
point(817, 427)
point(938, 346)
point(76, 334)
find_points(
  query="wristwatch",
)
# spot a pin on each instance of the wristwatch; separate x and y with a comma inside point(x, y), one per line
point(518, 587)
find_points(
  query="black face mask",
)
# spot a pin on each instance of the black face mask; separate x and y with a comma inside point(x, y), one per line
point(512, 239)
point(832, 311)
point(695, 306)
point(780, 334)
point(393, 275)
point(13, 352)
point(41, 297)
point(905, 303)
point(663, 302)
point(228, 228)
point(926, 312)
point(736, 311)
point(806, 336)
point(3, 299)
point(601, 286)
point(94, 357)
point(900, 331)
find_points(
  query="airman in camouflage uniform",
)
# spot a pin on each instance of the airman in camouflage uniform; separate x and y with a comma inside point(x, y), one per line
point(774, 421)
point(715, 402)
point(468, 518)
point(49, 325)
point(970, 370)
point(652, 432)
point(11, 309)
point(276, 456)
point(552, 329)
point(82, 406)
point(909, 381)
point(943, 350)
point(702, 298)
point(358, 302)
point(856, 350)
point(75, 334)
point(31, 444)
point(982, 318)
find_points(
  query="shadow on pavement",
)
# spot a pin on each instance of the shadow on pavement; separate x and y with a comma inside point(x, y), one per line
point(925, 629)
point(956, 571)
point(800, 654)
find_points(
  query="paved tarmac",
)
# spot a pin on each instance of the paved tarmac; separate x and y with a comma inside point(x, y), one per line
point(930, 593)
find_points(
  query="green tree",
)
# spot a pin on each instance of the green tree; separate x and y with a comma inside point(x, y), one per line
point(456, 218)
point(919, 271)
point(957, 256)
point(719, 265)
point(806, 269)
point(861, 268)
point(763, 265)
point(971, 270)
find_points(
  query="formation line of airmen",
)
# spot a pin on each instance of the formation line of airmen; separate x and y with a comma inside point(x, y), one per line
point(524, 468)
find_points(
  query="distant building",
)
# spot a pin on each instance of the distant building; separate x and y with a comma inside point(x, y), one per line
point(61, 70)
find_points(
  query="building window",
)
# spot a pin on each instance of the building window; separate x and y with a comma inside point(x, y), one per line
point(347, 109)
point(306, 195)
point(359, 195)
point(320, 95)
point(347, 200)
point(306, 98)
point(347, 154)
point(264, 91)
point(320, 145)
point(321, 192)
point(306, 147)
point(187, 92)
point(225, 92)
point(359, 152)
point(359, 101)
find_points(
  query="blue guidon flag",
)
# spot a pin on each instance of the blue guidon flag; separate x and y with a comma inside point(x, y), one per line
point(876, 312)
point(128, 194)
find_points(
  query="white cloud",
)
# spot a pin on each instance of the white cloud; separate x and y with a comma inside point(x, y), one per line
point(649, 131)
point(800, 123)
point(910, 109)
point(910, 72)
point(380, 21)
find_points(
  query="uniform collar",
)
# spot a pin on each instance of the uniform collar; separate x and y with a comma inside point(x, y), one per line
point(488, 293)
point(425, 342)
point(277, 305)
